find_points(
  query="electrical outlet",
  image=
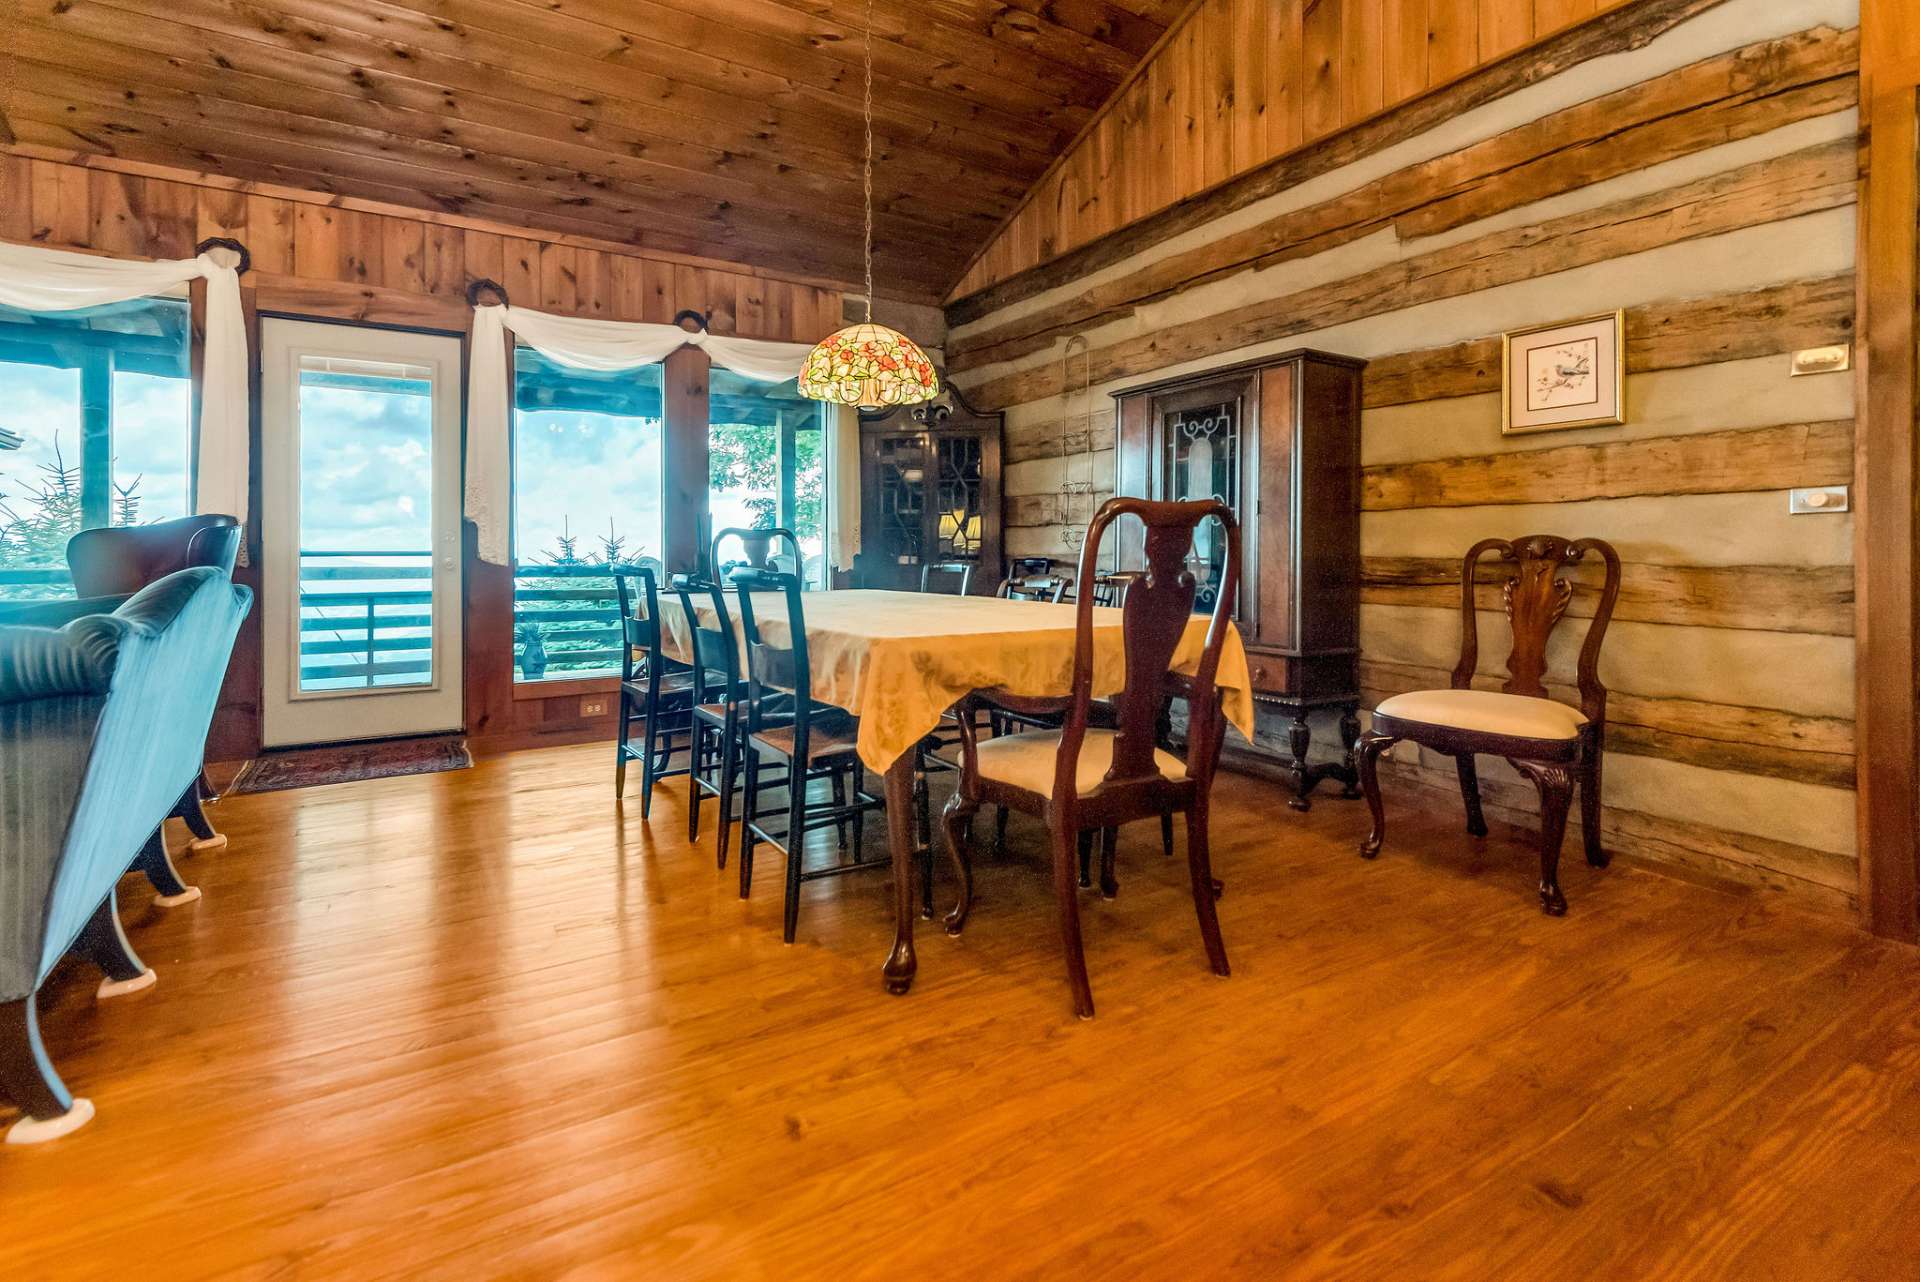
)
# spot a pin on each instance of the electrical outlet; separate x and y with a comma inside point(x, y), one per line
point(594, 707)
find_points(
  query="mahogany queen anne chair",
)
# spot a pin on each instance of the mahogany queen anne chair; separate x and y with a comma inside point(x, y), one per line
point(1082, 778)
point(1557, 746)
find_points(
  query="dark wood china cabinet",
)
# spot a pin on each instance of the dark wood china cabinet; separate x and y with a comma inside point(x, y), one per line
point(1278, 440)
point(929, 493)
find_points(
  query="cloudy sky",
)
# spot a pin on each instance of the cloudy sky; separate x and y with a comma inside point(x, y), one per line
point(151, 437)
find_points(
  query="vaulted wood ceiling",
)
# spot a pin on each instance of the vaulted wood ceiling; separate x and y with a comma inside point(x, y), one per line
point(728, 128)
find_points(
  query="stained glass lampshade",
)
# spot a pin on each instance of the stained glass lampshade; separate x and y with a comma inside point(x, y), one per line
point(870, 366)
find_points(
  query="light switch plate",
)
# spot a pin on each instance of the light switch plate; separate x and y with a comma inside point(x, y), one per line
point(1817, 500)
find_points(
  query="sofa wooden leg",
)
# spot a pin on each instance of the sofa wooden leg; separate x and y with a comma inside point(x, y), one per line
point(205, 838)
point(104, 943)
point(158, 866)
point(28, 1080)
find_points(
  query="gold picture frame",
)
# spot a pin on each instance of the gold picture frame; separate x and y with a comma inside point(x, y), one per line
point(1568, 374)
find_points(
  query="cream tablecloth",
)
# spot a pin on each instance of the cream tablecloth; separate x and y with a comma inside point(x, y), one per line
point(900, 659)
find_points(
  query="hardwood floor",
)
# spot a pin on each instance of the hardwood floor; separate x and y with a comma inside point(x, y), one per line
point(484, 1025)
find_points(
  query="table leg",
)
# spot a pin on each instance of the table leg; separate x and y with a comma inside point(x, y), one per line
point(901, 962)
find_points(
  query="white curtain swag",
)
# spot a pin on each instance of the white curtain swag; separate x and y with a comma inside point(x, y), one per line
point(36, 279)
point(601, 346)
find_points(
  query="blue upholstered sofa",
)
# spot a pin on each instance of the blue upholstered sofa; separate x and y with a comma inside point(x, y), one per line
point(102, 722)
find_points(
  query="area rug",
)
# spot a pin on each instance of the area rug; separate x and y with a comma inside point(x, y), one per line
point(350, 763)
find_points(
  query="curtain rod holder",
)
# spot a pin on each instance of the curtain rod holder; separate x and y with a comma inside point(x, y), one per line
point(227, 242)
point(485, 283)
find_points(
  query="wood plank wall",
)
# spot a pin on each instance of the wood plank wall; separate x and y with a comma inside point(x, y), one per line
point(1706, 182)
point(362, 260)
point(1242, 81)
point(315, 255)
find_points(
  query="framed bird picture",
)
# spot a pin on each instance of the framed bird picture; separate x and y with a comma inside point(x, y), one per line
point(1569, 374)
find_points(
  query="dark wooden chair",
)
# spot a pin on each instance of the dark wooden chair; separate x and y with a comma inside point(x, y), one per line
point(1020, 567)
point(717, 694)
point(120, 560)
point(1556, 746)
point(1110, 589)
point(1081, 778)
point(761, 550)
point(1035, 587)
point(719, 726)
point(813, 741)
point(956, 575)
point(654, 690)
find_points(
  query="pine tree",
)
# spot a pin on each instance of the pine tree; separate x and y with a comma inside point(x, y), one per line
point(39, 538)
point(612, 544)
point(566, 543)
point(126, 502)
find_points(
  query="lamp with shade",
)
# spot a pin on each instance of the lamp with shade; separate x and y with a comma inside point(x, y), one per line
point(869, 365)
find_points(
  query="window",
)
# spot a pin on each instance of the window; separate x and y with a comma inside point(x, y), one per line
point(95, 429)
point(766, 462)
point(586, 493)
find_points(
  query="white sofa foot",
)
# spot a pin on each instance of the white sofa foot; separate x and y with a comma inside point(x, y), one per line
point(186, 896)
point(30, 1130)
point(207, 845)
point(121, 987)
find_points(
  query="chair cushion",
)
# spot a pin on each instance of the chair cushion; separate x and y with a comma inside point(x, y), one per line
point(1518, 716)
point(1027, 760)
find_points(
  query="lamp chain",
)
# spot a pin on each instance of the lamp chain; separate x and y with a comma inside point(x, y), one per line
point(866, 115)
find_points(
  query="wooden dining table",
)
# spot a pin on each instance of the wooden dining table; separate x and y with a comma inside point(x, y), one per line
point(899, 660)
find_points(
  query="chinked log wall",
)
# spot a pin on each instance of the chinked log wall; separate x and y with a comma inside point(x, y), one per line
point(318, 255)
point(1704, 181)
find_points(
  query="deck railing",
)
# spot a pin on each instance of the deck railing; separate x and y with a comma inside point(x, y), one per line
point(566, 621)
point(366, 618)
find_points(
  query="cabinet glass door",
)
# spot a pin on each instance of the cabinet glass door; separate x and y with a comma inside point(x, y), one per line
point(1202, 440)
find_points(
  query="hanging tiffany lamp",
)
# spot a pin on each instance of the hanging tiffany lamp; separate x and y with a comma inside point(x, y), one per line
point(868, 365)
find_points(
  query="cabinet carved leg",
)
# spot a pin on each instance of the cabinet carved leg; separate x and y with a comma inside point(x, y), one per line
point(1349, 736)
point(1299, 739)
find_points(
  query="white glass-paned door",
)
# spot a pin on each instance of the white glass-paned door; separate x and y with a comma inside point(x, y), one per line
point(360, 466)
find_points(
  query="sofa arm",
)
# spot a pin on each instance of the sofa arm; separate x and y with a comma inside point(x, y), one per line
point(41, 663)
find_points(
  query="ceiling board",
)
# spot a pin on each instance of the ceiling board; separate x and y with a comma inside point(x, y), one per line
point(730, 128)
